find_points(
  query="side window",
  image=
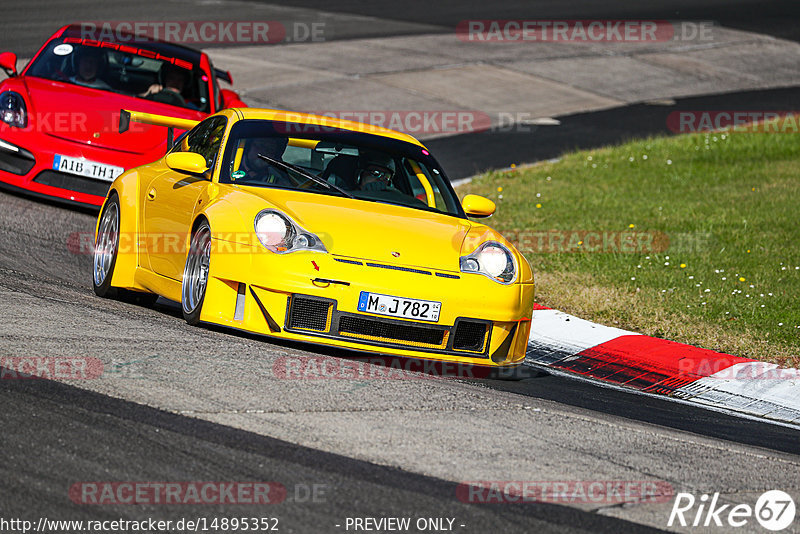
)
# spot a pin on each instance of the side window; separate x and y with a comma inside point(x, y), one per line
point(418, 170)
point(206, 138)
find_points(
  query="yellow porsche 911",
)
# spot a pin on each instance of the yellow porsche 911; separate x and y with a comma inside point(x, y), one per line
point(318, 230)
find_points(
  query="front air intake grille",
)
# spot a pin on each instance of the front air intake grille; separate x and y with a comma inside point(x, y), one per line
point(319, 316)
point(310, 314)
point(79, 184)
point(379, 330)
point(17, 162)
point(470, 336)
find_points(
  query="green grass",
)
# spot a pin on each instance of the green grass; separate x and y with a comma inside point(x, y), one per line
point(728, 204)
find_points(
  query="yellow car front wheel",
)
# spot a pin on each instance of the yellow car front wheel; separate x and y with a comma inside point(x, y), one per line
point(105, 249)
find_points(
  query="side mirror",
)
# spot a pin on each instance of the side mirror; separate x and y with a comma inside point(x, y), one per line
point(187, 162)
point(478, 206)
point(8, 62)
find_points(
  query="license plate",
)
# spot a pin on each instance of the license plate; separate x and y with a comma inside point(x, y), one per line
point(423, 310)
point(87, 168)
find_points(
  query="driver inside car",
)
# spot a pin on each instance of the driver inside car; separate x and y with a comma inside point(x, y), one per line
point(375, 171)
point(174, 79)
point(256, 169)
point(89, 65)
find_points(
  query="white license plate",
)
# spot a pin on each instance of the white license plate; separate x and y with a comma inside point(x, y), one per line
point(87, 168)
point(422, 310)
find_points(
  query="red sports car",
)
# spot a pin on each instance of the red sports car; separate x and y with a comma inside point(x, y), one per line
point(59, 117)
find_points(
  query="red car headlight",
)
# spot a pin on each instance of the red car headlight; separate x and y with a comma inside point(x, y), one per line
point(12, 109)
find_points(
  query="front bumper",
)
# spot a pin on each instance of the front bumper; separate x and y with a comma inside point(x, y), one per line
point(26, 163)
point(314, 298)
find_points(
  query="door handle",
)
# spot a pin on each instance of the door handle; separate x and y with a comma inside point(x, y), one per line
point(151, 195)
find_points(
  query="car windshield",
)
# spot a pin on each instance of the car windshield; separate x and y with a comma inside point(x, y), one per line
point(336, 162)
point(129, 70)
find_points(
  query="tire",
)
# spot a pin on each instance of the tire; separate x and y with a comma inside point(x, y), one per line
point(195, 273)
point(106, 249)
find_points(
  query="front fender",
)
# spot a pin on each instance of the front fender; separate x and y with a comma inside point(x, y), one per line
point(126, 187)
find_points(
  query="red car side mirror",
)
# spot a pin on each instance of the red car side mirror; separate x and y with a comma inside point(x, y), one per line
point(8, 62)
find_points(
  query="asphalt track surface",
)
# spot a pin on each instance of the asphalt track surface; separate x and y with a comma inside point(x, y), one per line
point(772, 18)
point(54, 434)
point(23, 32)
point(80, 435)
point(470, 154)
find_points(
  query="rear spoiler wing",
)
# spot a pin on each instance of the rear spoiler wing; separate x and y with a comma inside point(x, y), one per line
point(126, 117)
point(224, 75)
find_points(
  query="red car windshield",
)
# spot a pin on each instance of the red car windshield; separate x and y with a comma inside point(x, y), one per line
point(130, 70)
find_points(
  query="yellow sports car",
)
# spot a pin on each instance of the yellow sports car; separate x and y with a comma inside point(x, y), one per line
point(314, 229)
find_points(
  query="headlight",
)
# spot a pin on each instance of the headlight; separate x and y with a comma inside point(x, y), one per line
point(12, 109)
point(280, 234)
point(493, 260)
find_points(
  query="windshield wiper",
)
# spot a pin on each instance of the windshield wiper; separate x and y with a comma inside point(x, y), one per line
point(305, 173)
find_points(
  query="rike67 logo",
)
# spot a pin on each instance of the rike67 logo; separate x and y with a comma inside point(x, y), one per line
point(774, 510)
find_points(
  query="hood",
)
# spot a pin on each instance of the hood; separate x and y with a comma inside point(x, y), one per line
point(91, 116)
point(373, 231)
